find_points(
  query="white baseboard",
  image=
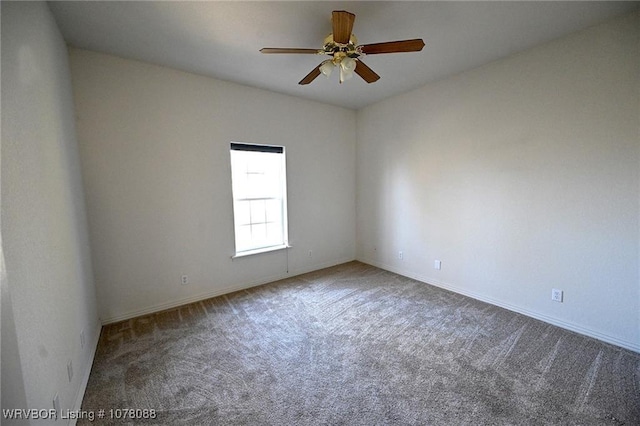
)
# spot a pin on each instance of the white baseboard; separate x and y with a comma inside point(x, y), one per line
point(219, 292)
point(85, 375)
point(567, 325)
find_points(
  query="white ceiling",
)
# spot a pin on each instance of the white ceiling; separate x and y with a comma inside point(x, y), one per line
point(222, 39)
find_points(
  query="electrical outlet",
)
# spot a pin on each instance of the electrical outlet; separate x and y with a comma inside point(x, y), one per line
point(184, 279)
point(556, 295)
point(82, 339)
point(437, 265)
point(400, 255)
point(70, 370)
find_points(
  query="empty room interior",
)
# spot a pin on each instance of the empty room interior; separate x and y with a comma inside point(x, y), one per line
point(320, 212)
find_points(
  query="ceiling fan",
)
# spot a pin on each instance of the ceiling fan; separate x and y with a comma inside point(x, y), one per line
point(345, 52)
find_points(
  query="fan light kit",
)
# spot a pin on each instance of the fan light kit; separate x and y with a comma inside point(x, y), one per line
point(345, 52)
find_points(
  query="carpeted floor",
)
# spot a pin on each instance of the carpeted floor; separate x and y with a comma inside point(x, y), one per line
point(356, 345)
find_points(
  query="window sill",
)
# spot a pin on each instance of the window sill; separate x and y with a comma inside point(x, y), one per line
point(260, 250)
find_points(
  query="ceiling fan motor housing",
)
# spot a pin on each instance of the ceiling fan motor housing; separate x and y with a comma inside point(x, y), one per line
point(331, 47)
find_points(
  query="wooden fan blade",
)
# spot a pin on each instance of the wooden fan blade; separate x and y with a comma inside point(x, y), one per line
point(414, 45)
point(311, 76)
point(287, 50)
point(365, 72)
point(342, 25)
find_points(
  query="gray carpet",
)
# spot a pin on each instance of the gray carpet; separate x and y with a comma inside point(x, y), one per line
point(356, 345)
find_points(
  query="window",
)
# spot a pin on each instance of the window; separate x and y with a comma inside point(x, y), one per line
point(258, 174)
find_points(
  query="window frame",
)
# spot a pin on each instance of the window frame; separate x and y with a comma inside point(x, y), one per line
point(282, 199)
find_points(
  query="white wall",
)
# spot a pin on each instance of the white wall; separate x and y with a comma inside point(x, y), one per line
point(154, 144)
point(520, 176)
point(48, 296)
